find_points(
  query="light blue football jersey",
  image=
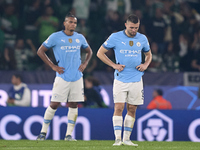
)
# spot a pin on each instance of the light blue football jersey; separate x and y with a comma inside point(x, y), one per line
point(128, 52)
point(67, 52)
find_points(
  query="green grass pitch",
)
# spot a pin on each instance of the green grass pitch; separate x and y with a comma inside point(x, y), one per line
point(93, 145)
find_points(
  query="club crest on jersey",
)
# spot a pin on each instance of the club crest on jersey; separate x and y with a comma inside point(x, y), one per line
point(138, 44)
point(131, 43)
point(77, 40)
point(70, 40)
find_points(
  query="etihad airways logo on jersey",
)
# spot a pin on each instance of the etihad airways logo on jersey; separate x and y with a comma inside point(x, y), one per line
point(70, 48)
point(130, 51)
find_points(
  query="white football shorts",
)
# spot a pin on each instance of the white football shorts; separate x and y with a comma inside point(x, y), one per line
point(64, 91)
point(131, 93)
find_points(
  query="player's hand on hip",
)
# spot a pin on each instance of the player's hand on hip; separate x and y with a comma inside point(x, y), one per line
point(58, 69)
point(82, 67)
point(141, 67)
point(119, 67)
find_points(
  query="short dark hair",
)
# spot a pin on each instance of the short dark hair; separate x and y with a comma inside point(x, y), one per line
point(18, 76)
point(70, 15)
point(133, 18)
point(159, 91)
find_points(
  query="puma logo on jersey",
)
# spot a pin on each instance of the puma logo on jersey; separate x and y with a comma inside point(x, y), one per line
point(63, 41)
point(124, 43)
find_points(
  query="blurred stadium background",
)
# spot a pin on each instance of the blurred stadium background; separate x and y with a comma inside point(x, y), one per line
point(173, 29)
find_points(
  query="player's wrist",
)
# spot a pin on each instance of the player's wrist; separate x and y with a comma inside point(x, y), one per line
point(85, 63)
point(113, 66)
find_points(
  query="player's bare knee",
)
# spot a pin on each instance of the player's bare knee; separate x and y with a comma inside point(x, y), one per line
point(131, 109)
point(54, 105)
point(119, 109)
point(73, 104)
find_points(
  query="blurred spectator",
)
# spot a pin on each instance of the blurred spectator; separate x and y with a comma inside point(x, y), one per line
point(155, 4)
point(196, 42)
point(195, 62)
point(82, 28)
point(147, 8)
point(81, 8)
point(19, 94)
point(156, 63)
point(171, 59)
point(97, 10)
point(31, 14)
point(93, 97)
point(24, 55)
point(62, 7)
point(142, 28)
point(185, 53)
point(112, 23)
point(173, 20)
point(157, 30)
point(158, 101)
point(9, 57)
point(184, 45)
point(47, 24)
point(190, 23)
point(121, 6)
point(47, 3)
point(167, 15)
point(138, 4)
point(9, 24)
point(1, 49)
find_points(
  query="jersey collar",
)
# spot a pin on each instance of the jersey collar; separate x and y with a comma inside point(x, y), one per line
point(66, 34)
point(127, 35)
